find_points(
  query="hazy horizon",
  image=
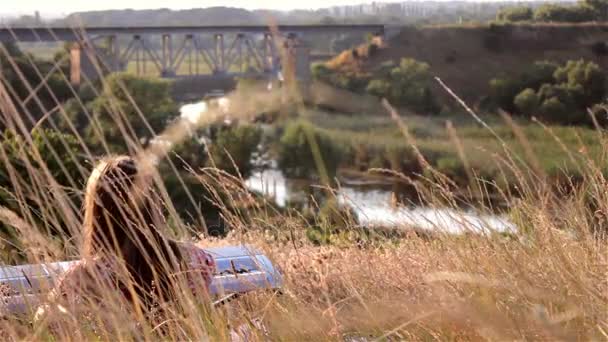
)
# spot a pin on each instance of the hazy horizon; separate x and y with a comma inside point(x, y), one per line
point(65, 7)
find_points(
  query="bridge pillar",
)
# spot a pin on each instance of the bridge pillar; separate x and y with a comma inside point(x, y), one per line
point(81, 65)
point(75, 75)
point(303, 72)
point(220, 53)
point(298, 58)
point(112, 55)
point(167, 57)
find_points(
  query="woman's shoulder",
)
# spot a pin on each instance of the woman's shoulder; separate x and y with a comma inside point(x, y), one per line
point(195, 254)
point(65, 284)
point(72, 278)
point(200, 264)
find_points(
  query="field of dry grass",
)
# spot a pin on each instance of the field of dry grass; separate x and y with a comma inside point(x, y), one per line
point(546, 281)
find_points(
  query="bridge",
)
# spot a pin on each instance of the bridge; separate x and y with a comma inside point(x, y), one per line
point(177, 51)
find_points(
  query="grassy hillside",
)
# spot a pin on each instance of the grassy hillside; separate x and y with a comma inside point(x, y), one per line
point(468, 57)
point(545, 280)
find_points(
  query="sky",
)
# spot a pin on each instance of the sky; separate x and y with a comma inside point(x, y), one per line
point(61, 7)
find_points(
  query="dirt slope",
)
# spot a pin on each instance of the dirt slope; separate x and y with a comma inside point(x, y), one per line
point(466, 58)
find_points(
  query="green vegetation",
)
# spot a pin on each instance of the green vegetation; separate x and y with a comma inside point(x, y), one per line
point(119, 113)
point(58, 162)
point(583, 11)
point(407, 84)
point(130, 97)
point(23, 72)
point(514, 14)
point(376, 142)
point(233, 148)
point(297, 159)
point(545, 279)
point(568, 14)
point(559, 94)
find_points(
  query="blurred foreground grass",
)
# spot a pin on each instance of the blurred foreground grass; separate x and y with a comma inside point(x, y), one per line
point(548, 280)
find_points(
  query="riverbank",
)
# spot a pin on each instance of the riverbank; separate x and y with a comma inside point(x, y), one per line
point(373, 147)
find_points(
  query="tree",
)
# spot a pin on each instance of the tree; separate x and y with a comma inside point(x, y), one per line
point(502, 92)
point(19, 70)
point(600, 7)
point(235, 147)
point(191, 152)
point(564, 93)
point(118, 117)
point(557, 13)
point(554, 110)
point(538, 74)
point(520, 13)
point(527, 102)
point(378, 87)
point(586, 75)
point(296, 158)
point(407, 84)
point(60, 154)
point(320, 71)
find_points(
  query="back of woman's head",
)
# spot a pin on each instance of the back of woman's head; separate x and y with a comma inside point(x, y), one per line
point(108, 209)
point(122, 219)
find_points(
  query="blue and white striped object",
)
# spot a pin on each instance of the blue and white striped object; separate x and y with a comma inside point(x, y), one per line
point(240, 269)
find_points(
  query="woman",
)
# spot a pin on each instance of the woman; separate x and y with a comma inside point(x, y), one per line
point(123, 250)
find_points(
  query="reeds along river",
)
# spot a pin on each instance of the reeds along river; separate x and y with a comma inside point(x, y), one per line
point(374, 206)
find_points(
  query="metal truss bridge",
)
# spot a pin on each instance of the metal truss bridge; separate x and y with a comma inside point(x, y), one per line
point(173, 51)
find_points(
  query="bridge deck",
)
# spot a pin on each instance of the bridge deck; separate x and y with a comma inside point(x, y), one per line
point(42, 34)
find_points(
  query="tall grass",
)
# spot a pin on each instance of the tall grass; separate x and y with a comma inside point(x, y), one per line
point(547, 281)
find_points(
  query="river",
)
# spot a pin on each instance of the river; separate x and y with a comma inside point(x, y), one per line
point(374, 207)
point(372, 204)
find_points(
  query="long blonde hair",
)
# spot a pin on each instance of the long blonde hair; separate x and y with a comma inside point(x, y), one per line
point(122, 219)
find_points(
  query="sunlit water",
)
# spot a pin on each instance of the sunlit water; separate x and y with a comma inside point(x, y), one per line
point(193, 111)
point(373, 208)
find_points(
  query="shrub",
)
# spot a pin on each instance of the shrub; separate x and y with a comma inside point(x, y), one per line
point(296, 158)
point(337, 216)
point(385, 68)
point(599, 7)
point(379, 87)
point(538, 74)
point(60, 155)
point(568, 111)
point(151, 97)
point(452, 167)
point(600, 112)
point(557, 13)
point(334, 224)
point(553, 109)
point(407, 84)
point(586, 75)
point(527, 102)
point(191, 152)
point(235, 147)
point(320, 71)
point(520, 13)
point(502, 91)
point(576, 85)
point(401, 159)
